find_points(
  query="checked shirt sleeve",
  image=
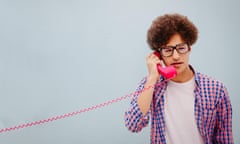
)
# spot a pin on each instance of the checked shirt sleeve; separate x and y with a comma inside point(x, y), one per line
point(224, 117)
point(134, 118)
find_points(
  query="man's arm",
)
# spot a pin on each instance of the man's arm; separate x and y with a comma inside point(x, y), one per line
point(135, 120)
point(137, 115)
point(224, 133)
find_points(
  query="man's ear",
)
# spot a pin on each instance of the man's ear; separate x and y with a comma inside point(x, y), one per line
point(190, 48)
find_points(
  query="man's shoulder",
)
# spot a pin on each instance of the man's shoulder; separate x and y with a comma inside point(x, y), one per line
point(207, 81)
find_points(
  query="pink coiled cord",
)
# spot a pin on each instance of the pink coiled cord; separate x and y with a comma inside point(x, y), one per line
point(30, 124)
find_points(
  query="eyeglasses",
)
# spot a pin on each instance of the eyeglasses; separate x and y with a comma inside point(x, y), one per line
point(167, 51)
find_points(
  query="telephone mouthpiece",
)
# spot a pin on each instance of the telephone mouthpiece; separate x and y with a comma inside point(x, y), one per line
point(168, 72)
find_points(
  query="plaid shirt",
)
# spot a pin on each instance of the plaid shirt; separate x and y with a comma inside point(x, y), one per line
point(212, 107)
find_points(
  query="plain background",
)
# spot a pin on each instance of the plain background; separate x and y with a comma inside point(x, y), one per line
point(59, 56)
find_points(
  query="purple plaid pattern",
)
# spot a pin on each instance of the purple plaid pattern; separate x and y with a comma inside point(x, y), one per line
point(213, 112)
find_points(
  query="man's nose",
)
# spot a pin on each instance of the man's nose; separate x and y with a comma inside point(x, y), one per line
point(176, 54)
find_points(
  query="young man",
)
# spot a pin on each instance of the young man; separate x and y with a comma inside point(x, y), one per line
point(191, 108)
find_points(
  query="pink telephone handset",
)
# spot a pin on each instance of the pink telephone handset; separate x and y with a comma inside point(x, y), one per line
point(168, 72)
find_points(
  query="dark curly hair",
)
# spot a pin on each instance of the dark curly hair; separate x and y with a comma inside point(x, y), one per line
point(163, 27)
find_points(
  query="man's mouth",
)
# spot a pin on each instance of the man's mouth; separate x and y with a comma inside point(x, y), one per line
point(176, 64)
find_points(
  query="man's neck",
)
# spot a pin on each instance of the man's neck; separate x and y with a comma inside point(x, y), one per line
point(184, 76)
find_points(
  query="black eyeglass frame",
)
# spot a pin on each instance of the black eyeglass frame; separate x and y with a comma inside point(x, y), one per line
point(173, 48)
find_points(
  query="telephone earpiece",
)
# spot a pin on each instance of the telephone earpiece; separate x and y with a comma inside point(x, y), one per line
point(168, 72)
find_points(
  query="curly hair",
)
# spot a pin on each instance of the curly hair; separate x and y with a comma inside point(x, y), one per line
point(163, 27)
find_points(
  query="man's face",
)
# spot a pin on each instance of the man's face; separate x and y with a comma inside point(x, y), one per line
point(178, 60)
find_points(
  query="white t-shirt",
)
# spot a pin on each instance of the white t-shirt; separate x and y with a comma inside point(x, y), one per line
point(181, 126)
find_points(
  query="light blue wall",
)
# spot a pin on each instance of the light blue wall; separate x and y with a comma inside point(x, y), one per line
point(59, 56)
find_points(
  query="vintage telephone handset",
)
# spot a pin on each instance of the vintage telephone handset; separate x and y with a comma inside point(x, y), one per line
point(167, 72)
